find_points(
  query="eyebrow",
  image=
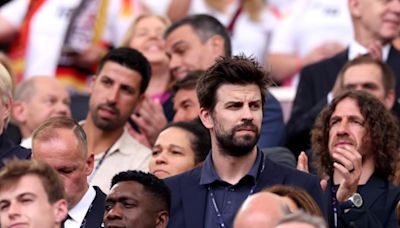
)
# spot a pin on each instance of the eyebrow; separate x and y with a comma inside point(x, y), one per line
point(180, 42)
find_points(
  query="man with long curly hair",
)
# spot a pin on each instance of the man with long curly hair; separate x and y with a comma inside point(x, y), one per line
point(355, 141)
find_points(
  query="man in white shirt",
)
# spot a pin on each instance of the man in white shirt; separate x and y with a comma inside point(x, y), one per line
point(117, 88)
point(61, 142)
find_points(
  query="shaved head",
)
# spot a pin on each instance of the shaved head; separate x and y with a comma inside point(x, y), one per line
point(261, 210)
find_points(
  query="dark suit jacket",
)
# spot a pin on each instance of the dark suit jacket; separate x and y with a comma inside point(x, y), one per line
point(379, 206)
point(316, 81)
point(189, 198)
point(273, 128)
point(94, 216)
point(9, 151)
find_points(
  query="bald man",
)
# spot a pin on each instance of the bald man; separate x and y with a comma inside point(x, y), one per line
point(261, 210)
point(36, 100)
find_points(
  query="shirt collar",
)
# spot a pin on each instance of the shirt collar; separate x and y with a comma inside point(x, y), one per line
point(117, 144)
point(79, 211)
point(356, 49)
point(209, 175)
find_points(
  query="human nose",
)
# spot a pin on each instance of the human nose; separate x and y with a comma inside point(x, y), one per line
point(174, 62)
point(342, 128)
point(114, 213)
point(161, 158)
point(63, 109)
point(112, 95)
point(179, 116)
point(247, 113)
point(14, 210)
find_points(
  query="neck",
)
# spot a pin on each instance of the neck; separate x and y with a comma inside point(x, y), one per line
point(160, 79)
point(231, 169)
point(97, 139)
point(25, 131)
point(81, 194)
point(367, 169)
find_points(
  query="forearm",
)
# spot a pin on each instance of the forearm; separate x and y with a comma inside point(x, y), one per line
point(178, 9)
point(284, 66)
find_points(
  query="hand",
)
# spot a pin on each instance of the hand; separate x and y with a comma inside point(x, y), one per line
point(138, 136)
point(375, 50)
point(323, 51)
point(302, 162)
point(348, 163)
point(302, 165)
point(150, 119)
point(90, 56)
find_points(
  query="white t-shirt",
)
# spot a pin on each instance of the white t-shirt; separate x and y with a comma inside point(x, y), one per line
point(46, 35)
point(312, 23)
point(49, 26)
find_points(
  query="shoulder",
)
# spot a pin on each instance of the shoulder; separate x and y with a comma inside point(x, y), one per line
point(128, 143)
point(99, 193)
point(290, 176)
point(192, 176)
point(333, 61)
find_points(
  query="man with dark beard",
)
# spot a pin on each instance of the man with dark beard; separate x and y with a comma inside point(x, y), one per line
point(118, 86)
point(355, 141)
point(231, 95)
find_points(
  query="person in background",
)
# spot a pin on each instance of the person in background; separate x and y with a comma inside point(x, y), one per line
point(8, 150)
point(146, 35)
point(247, 22)
point(373, 35)
point(186, 104)
point(61, 143)
point(179, 147)
point(117, 89)
point(300, 40)
point(36, 100)
point(261, 210)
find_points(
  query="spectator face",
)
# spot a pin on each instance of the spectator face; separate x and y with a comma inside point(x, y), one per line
point(380, 18)
point(348, 128)
point(172, 153)
point(129, 206)
point(236, 119)
point(147, 38)
point(5, 108)
point(368, 78)
point(51, 99)
point(65, 156)
point(27, 205)
point(186, 105)
point(188, 53)
point(114, 94)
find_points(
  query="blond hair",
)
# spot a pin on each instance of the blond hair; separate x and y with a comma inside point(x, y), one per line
point(129, 33)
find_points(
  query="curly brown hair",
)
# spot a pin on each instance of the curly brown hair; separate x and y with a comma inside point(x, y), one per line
point(382, 129)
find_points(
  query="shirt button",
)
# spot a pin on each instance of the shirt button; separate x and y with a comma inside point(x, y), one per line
point(229, 202)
